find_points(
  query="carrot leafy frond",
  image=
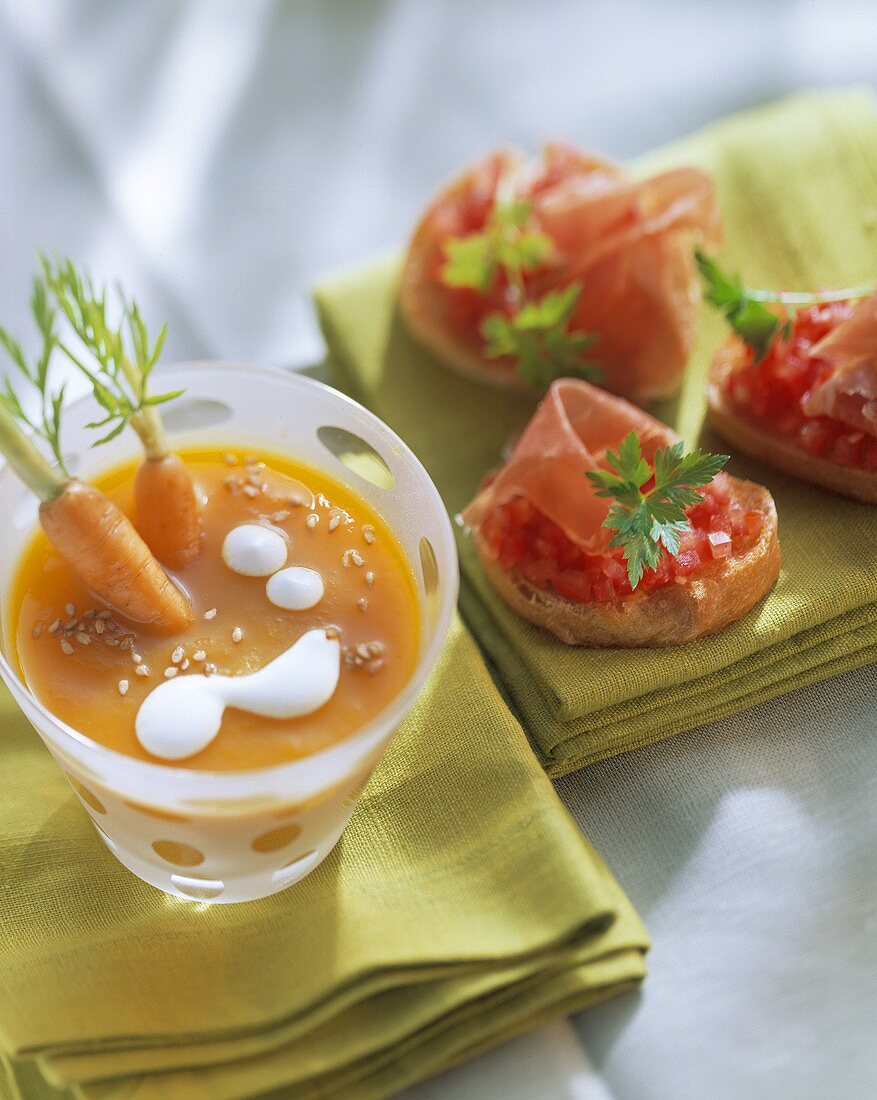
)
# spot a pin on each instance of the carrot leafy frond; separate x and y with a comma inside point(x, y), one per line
point(115, 355)
point(46, 422)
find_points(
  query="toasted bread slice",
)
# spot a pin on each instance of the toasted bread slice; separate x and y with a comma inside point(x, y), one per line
point(452, 351)
point(718, 594)
point(775, 450)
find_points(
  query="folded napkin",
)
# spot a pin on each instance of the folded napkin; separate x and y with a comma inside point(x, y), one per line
point(797, 185)
point(461, 906)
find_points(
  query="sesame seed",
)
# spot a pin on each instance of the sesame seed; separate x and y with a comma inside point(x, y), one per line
point(99, 627)
point(370, 578)
point(362, 603)
point(368, 533)
point(111, 623)
point(375, 648)
point(66, 647)
point(362, 650)
point(90, 614)
point(184, 665)
point(375, 666)
point(70, 609)
point(237, 634)
point(123, 687)
point(334, 522)
point(170, 672)
point(251, 491)
point(177, 655)
point(104, 615)
point(312, 520)
point(209, 668)
point(83, 638)
point(281, 516)
point(250, 460)
point(126, 643)
point(254, 479)
point(230, 460)
point(56, 625)
point(199, 655)
point(37, 630)
point(332, 632)
point(323, 502)
point(142, 670)
point(135, 657)
point(111, 642)
point(353, 556)
point(211, 614)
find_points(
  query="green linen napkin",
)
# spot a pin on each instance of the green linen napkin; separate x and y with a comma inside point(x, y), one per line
point(797, 184)
point(461, 906)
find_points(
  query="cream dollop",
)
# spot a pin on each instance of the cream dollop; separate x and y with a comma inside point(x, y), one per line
point(253, 550)
point(181, 717)
point(295, 588)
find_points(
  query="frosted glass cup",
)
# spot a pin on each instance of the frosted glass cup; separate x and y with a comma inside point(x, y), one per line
point(239, 836)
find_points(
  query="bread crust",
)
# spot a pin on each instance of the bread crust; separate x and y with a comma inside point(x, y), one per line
point(672, 614)
point(774, 450)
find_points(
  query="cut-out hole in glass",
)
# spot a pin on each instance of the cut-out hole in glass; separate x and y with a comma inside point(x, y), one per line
point(357, 455)
point(295, 870)
point(194, 412)
point(430, 573)
point(201, 889)
point(87, 796)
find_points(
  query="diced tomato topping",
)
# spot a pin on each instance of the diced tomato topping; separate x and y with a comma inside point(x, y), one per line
point(774, 389)
point(520, 537)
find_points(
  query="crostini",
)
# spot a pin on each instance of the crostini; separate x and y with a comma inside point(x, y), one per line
point(799, 389)
point(522, 271)
point(642, 545)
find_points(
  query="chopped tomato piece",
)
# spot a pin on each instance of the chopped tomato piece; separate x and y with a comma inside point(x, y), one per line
point(775, 389)
point(520, 537)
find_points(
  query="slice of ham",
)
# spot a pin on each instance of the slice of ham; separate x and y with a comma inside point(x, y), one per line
point(569, 434)
point(849, 391)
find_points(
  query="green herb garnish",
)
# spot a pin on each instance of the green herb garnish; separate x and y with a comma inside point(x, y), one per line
point(536, 333)
point(47, 424)
point(538, 338)
point(647, 521)
point(504, 245)
point(121, 355)
point(745, 308)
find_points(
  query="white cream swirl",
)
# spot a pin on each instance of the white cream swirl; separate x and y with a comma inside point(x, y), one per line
point(182, 716)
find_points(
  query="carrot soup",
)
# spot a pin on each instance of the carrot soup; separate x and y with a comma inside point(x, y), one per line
point(305, 624)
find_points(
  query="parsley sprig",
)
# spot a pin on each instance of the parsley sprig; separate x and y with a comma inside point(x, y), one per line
point(535, 334)
point(504, 245)
point(119, 352)
point(746, 308)
point(47, 423)
point(538, 338)
point(647, 521)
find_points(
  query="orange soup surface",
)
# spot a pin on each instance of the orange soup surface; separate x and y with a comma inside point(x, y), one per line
point(93, 669)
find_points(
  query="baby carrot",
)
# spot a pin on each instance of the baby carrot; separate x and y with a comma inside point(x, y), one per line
point(168, 508)
point(96, 538)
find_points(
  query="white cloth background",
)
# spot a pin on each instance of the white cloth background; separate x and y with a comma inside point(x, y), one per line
point(223, 154)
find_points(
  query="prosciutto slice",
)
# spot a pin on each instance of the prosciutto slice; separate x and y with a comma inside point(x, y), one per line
point(569, 434)
point(849, 391)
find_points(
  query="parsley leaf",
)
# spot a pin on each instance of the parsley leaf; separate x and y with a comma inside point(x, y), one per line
point(744, 308)
point(647, 521)
point(537, 337)
point(504, 245)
